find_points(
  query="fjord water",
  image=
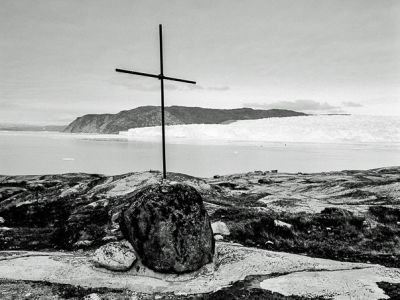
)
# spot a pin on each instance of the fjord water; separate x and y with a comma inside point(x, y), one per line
point(299, 144)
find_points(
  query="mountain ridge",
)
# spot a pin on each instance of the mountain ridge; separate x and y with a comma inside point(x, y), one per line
point(145, 116)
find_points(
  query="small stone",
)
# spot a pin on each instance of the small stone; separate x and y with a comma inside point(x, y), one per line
point(220, 228)
point(274, 171)
point(278, 223)
point(109, 238)
point(264, 181)
point(83, 244)
point(218, 237)
point(115, 217)
point(92, 296)
point(241, 187)
point(226, 184)
point(115, 256)
point(2, 221)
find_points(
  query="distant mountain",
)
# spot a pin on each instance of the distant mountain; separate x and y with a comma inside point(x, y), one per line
point(27, 127)
point(145, 116)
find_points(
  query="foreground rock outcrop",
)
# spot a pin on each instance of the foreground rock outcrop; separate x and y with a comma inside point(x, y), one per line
point(168, 226)
point(345, 216)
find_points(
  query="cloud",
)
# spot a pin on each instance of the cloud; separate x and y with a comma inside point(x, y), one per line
point(351, 104)
point(195, 87)
point(209, 88)
point(218, 88)
point(153, 87)
point(8, 104)
point(300, 105)
point(135, 83)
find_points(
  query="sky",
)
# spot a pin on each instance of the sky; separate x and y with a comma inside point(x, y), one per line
point(57, 58)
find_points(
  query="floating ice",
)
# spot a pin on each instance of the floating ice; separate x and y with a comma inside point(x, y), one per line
point(310, 129)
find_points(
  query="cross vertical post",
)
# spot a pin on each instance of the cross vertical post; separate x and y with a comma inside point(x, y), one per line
point(161, 77)
point(162, 103)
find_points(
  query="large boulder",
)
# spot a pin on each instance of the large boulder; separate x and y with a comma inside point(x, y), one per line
point(169, 227)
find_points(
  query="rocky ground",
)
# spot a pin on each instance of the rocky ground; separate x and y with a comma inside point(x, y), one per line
point(50, 225)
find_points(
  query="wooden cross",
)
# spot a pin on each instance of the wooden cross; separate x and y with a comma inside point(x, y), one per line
point(161, 77)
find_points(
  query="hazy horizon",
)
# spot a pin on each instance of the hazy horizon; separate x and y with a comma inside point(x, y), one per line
point(57, 57)
point(41, 123)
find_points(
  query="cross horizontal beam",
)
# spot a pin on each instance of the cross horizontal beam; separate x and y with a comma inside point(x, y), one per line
point(155, 76)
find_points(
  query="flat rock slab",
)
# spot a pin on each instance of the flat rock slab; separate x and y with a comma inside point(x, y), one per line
point(342, 284)
point(352, 190)
point(233, 263)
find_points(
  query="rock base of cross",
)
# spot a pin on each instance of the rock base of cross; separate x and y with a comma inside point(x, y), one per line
point(168, 227)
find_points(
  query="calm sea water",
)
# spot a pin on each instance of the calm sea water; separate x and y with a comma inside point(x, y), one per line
point(49, 153)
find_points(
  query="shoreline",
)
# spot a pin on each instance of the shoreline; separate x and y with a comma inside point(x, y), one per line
point(122, 136)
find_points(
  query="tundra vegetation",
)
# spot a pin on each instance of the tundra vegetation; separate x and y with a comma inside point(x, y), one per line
point(347, 216)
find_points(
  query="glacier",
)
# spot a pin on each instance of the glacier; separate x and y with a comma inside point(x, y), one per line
point(304, 129)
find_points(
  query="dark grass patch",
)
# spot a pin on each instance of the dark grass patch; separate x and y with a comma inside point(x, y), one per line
point(385, 214)
point(334, 234)
point(244, 199)
point(35, 290)
point(390, 289)
point(356, 194)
